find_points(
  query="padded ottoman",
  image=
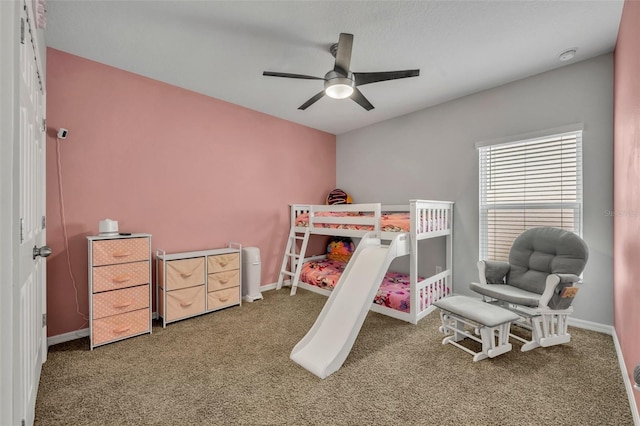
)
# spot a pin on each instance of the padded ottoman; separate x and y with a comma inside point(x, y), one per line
point(490, 322)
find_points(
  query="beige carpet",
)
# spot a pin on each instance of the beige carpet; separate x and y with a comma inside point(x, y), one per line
point(233, 367)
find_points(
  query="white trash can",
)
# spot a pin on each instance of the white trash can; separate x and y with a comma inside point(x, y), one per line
point(251, 274)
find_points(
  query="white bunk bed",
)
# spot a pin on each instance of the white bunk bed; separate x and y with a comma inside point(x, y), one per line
point(427, 219)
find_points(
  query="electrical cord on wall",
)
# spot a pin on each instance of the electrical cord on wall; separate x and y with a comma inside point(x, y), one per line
point(65, 235)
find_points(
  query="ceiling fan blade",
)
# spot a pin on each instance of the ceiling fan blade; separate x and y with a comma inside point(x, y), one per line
point(284, 74)
point(374, 77)
point(311, 101)
point(343, 55)
point(359, 98)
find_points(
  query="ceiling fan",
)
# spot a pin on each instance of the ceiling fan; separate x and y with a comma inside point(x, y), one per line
point(341, 83)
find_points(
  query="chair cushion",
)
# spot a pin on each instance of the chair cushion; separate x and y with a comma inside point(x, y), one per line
point(538, 252)
point(507, 293)
point(476, 310)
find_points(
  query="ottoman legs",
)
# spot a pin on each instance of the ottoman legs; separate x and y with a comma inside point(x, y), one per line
point(494, 340)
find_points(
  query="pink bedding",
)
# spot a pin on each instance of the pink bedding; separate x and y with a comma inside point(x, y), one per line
point(390, 222)
point(395, 222)
point(394, 291)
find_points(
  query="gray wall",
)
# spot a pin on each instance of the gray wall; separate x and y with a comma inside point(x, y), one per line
point(430, 154)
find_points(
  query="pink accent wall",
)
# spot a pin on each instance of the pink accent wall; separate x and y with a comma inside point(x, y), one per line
point(193, 171)
point(626, 198)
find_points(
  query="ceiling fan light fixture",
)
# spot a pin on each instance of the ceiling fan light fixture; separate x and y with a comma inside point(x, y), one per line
point(339, 87)
point(340, 82)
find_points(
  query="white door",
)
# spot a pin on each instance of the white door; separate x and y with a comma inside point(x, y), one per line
point(29, 295)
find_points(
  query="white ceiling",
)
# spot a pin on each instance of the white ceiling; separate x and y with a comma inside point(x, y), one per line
point(220, 48)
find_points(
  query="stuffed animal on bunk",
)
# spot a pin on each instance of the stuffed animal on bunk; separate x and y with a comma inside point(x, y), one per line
point(340, 249)
point(338, 196)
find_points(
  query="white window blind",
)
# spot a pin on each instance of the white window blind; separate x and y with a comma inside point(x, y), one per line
point(525, 184)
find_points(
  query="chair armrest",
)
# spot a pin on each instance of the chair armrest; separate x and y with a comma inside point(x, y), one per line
point(569, 279)
point(554, 285)
point(492, 271)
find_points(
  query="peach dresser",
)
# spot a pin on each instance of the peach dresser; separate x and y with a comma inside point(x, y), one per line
point(119, 287)
point(197, 282)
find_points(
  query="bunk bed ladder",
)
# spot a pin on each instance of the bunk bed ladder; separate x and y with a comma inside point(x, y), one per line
point(292, 261)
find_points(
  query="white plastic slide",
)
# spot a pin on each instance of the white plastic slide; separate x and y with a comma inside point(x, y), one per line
point(328, 343)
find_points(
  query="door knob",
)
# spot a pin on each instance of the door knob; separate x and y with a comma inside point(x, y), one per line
point(43, 251)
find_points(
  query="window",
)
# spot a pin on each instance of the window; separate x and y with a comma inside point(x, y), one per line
point(529, 183)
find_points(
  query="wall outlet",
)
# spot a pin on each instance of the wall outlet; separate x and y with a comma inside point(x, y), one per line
point(438, 269)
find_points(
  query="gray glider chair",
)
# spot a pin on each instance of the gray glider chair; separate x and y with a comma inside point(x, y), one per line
point(538, 282)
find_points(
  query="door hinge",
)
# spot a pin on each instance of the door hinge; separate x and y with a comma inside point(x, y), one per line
point(23, 422)
point(44, 121)
point(44, 222)
point(44, 320)
point(21, 230)
point(21, 30)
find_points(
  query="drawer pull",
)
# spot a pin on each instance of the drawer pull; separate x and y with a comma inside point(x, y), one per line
point(224, 298)
point(122, 329)
point(122, 305)
point(186, 275)
point(121, 254)
point(223, 263)
point(224, 280)
point(121, 279)
point(186, 304)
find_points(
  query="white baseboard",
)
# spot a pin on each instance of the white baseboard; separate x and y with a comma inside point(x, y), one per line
point(627, 380)
point(593, 326)
point(67, 337)
point(271, 286)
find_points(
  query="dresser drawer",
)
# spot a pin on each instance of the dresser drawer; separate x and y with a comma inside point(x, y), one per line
point(108, 252)
point(222, 298)
point(182, 303)
point(120, 301)
point(120, 326)
point(113, 277)
point(183, 273)
point(223, 262)
point(222, 280)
